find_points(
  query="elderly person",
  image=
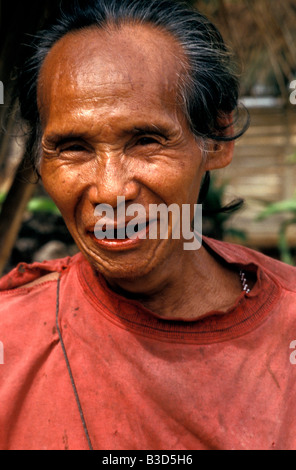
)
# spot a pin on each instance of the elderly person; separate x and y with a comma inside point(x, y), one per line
point(135, 342)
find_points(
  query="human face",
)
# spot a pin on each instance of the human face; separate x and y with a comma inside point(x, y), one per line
point(113, 126)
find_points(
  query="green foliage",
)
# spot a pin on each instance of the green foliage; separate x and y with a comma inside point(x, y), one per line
point(291, 158)
point(38, 204)
point(286, 207)
point(281, 207)
point(43, 204)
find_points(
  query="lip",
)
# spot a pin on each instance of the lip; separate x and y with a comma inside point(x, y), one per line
point(121, 244)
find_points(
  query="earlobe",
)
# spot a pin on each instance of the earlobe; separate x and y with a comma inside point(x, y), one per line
point(219, 156)
point(220, 153)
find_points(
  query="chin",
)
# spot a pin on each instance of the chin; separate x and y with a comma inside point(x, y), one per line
point(126, 273)
point(132, 275)
point(131, 266)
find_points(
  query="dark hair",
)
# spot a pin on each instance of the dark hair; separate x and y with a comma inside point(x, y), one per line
point(211, 88)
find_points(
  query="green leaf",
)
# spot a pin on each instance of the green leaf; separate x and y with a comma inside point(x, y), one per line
point(288, 205)
point(42, 204)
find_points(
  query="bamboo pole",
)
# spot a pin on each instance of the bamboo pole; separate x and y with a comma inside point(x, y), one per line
point(13, 208)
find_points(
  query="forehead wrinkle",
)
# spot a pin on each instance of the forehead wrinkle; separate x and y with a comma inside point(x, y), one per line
point(71, 76)
point(130, 40)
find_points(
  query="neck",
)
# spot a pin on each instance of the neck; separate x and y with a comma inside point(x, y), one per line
point(198, 284)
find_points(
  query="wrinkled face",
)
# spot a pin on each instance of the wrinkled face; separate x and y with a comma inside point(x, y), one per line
point(113, 126)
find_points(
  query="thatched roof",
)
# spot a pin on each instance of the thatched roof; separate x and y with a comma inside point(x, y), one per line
point(262, 35)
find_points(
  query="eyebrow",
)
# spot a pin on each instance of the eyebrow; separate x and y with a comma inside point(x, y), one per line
point(62, 138)
point(151, 129)
point(147, 129)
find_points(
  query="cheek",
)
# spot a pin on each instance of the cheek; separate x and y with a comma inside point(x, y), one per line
point(184, 185)
point(62, 187)
point(173, 177)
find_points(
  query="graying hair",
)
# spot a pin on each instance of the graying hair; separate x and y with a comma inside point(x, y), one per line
point(209, 89)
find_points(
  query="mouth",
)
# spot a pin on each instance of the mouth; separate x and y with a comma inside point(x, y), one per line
point(126, 231)
point(120, 237)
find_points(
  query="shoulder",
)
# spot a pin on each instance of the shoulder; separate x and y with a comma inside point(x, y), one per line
point(28, 297)
point(280, 272)
point(29, 275)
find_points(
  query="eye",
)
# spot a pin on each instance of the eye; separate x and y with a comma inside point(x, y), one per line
point(72, 148)
point(147, 141)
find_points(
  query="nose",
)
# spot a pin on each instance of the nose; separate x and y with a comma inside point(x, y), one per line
point(112, 179)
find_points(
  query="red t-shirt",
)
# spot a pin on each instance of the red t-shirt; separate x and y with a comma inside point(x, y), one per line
point(225, 381)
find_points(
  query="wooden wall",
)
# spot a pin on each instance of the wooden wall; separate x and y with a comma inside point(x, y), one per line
point(263, 170)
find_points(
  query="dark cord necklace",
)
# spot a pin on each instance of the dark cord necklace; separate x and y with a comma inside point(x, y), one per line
point(69, 368)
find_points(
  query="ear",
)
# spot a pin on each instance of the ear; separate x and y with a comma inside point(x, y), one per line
point(220, 154)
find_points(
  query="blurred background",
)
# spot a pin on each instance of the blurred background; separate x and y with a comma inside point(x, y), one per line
point(262, 36)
